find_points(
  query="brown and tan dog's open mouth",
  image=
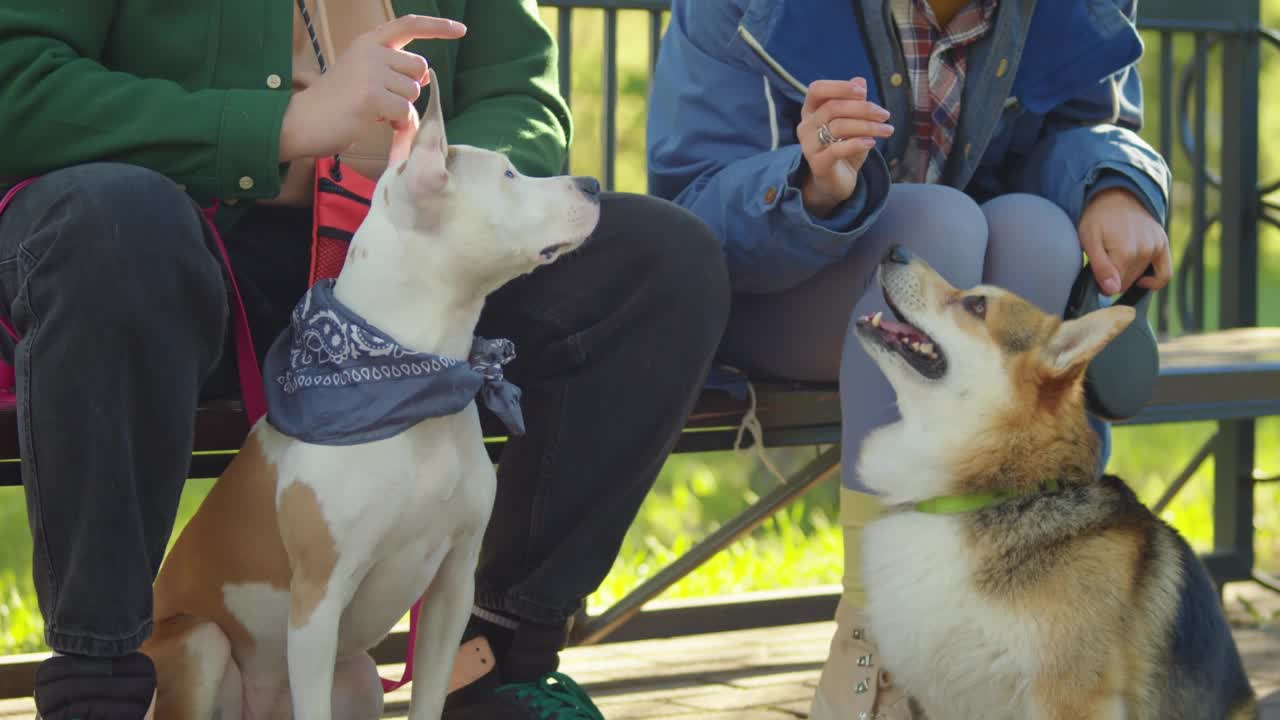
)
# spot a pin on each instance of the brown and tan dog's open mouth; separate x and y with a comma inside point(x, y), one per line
point(899, 336)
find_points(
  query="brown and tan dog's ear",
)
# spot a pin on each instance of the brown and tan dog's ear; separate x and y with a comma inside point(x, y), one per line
point(1077, 341)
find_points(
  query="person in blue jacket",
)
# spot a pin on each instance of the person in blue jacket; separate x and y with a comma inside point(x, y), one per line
point(997, 139)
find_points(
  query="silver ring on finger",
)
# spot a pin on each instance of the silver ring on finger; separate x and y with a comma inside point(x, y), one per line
point(825, 137)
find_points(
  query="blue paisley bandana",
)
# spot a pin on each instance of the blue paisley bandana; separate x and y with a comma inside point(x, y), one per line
point(332, 378)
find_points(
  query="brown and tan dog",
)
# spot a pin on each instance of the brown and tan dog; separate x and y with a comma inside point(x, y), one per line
point(1008, 579)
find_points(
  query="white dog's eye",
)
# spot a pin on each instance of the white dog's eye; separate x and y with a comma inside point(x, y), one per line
point(510, 174)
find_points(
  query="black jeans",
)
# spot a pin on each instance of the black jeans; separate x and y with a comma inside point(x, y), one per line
point(123, 312)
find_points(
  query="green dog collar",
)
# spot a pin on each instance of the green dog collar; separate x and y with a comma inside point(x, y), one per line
point(973, 502)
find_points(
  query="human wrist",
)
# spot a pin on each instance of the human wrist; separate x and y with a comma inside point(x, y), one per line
point(817, 201)
point(290, 131)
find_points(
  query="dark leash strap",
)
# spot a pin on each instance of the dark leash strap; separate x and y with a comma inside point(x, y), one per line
point(311, 31)
point(324, 67)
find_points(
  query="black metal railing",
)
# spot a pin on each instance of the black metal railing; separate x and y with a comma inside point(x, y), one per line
point(1234, 28)
point(656, 9)
point(1237, 216)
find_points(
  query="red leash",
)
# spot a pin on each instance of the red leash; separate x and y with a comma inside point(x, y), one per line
point(251, 391)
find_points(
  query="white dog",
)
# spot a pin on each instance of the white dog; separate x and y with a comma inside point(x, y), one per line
point(367, 486)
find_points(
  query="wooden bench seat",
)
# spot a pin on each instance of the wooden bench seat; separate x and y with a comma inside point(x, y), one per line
point(1225, 375)
point(1209, 376)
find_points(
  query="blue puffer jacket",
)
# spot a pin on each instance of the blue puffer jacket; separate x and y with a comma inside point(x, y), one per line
point(1051, 106)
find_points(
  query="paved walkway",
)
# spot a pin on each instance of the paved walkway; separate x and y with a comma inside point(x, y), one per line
point(770, 673)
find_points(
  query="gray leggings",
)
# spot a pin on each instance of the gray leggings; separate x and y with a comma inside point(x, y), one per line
point(1020, 242)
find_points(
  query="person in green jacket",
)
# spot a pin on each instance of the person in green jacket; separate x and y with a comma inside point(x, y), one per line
point(133, 116)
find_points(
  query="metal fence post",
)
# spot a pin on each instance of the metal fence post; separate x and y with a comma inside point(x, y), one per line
point(1238, 292)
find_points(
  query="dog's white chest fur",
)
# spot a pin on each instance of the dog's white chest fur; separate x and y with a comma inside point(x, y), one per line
point(394, 507)
point(934, 631)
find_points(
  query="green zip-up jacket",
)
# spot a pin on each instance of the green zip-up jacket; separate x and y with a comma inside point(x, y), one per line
point(181, 87)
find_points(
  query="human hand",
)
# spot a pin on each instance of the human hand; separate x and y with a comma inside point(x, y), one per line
point(854, 124)
point(1122, 240)
point(373, 81)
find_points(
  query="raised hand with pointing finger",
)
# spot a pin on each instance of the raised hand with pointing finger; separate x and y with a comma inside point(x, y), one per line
point(375, 80)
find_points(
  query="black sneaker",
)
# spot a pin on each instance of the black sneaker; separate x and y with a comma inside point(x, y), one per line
point(554, 696)
point(85, 688)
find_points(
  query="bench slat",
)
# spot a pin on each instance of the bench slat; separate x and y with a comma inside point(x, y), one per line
point(1223, 375)
point(1209, 376)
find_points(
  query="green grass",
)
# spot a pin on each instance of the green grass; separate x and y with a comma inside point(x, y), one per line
point(696, 493)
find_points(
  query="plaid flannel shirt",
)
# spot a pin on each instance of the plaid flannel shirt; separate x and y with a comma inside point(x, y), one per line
point(936, 59)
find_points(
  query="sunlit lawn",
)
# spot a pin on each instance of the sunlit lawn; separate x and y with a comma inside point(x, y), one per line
point(696, 493)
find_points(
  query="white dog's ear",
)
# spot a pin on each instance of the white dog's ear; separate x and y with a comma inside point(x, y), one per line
point(402, 142)
point(1077, 341)
point(425, 171)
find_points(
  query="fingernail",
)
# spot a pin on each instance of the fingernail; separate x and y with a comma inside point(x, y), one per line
point(1111, 286)
point(886, 129)
point(458, 26)
point(868, 142)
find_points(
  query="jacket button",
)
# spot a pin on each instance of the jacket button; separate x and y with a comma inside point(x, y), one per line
point(246, 183)
point(967, 148)
point(273, 81)
point(895, 79)
point(1002, 68)
point(770, 195)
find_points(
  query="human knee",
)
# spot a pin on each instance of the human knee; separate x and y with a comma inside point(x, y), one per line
point(129, 219)
point(1037, 226)
point(130, 235)
point(678, 260)
point(1033, 251)
point(945, 228)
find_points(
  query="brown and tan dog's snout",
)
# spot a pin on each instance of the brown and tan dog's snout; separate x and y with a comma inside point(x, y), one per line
point(909, 282)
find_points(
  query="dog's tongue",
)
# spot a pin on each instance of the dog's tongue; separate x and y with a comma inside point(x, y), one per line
point(898, 328)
